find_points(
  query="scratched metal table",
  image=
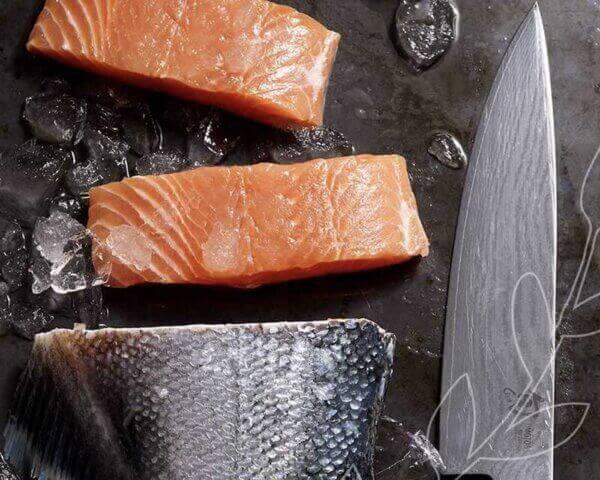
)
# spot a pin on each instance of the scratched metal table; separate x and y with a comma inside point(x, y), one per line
point(383, 107)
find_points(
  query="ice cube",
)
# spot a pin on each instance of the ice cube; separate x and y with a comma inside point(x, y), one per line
point(446, 148)
point(5, 312)
point(27, 320)
point(55, 118)
point(141, 131)
point(106, 162)
point(14, 269)
point(198, 153)
point(105, 120)
point(52, 302)
point(84, 306)
point(55, 85)
point(89, 307)
point(61, 255)
point(72, 206)
point(29, 177)
point(161, 162)
point(102, 149)
point(183, 116)
point(307, 144)
point(89, 174)
point(103, 91)
point(222, 133)
point(425, 30)
point(13, 254)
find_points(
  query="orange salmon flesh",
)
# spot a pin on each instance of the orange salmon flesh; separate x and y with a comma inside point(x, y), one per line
point(253, 225)
point(255, 58)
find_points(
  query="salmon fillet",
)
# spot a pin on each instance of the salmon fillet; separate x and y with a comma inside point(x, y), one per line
point(252, 225)
point(255, 58)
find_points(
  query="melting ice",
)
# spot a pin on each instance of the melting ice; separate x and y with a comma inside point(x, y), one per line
point(61, 257)
point(446, 148)
point(425, 30)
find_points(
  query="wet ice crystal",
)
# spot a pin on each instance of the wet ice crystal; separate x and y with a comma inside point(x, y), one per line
point(104, 119)
point(141, 130)
point(425, 30)
point(184, 116)
point(447, 150)
point(55, 118)
point(72, 206)
point(110, 152)
point(13, 254)
point(161, 162)
point(30, 175)
point(221, 133)
point(88, 174)
point(198, 153)
point(307, 144)
point(5, 311)
point(89, 308)
point(51, 302)
point(61, 255)
point(27, 320)
point(102, 91)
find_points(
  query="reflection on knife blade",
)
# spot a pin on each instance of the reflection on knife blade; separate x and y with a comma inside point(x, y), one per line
point(496, 415)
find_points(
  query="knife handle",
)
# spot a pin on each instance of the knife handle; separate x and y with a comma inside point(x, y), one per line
point(467, 476)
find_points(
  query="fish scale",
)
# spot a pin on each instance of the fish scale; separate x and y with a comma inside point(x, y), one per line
point(6, 472)
point(258, 402)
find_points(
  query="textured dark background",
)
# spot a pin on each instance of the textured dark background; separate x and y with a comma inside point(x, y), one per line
point(383, 107)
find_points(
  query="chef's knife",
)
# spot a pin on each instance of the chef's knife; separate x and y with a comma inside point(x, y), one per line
point(496, 417)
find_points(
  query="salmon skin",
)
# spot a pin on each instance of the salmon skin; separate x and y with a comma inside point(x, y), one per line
point(252, 225)
point(296, 401)
point(6, 472)
point(255, 58)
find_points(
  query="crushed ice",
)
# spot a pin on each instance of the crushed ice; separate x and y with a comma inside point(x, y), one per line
point(306, 144)
point(55, 118)
point(30, 176)
point(89, 133)
point(447, 150)
point(141, 130)
point(61, 257)
point(160, 162)
point(13, 254)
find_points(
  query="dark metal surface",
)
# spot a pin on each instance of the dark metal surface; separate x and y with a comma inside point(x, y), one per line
point(382, 107)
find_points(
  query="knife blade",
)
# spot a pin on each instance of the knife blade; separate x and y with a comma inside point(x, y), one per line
point(496, 415)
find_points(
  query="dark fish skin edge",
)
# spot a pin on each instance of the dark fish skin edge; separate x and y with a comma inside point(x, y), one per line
point(258, 401)
point(6, 472)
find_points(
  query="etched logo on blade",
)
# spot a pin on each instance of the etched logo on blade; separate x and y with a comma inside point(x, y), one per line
point(525, 404)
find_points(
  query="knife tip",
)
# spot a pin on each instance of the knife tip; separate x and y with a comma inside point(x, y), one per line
point(535, 11)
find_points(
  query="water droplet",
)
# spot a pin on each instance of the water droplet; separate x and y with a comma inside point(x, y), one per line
point(446, 148)
point(360, 113)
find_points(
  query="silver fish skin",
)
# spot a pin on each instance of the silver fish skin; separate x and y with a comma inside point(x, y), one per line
point(284, 401)
point(6, 472)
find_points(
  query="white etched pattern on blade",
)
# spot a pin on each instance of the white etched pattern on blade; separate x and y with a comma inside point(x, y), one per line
point(500, 318)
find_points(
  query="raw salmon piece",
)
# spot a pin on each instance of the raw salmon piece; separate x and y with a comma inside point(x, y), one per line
point(255, 58)
point(247, 226)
